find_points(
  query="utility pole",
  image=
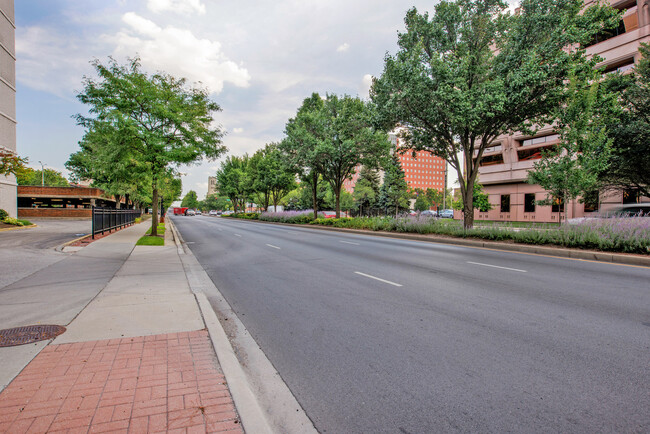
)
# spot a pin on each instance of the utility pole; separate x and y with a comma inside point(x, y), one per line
point(42, 174)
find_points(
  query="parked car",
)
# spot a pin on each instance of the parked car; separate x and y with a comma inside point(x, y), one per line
point(190, 212)
point(198, 212)
point(446, 214)
point(630, 210)
point(428, 213)
point(227, 213)
point(329, 214)
point(212, 212)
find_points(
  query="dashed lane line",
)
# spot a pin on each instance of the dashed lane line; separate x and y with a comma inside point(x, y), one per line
point(496, 266)
point(376, 278)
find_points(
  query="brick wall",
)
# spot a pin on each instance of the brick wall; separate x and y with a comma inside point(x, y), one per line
point(55, 212)
point(76, 192)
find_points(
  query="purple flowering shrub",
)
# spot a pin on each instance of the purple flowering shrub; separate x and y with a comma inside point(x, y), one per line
point(303, 216)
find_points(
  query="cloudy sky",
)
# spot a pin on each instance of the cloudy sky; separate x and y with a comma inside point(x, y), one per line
point(259, 59)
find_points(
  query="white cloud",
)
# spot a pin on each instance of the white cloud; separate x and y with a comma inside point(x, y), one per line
point(343, 47)
point(163, 48)
point(183, 7)
point(366, 82)
point(237, 130)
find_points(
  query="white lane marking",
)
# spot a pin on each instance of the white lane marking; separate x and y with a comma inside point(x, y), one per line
point(349, 242)
point(275, 247)
point(237, 235)
point(496, 266)
point(376, 278)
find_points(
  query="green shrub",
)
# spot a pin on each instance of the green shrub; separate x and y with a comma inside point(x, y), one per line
point(12, 221)
point(3, 214)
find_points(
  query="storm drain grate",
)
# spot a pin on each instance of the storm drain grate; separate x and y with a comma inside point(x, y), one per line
point(28, 334)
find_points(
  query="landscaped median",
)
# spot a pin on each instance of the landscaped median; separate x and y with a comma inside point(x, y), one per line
point(7, 222)
point(619, 235)
point(148, 240)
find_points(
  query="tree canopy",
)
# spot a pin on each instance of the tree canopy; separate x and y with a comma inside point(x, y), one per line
point(150, 122)
point(472, 72)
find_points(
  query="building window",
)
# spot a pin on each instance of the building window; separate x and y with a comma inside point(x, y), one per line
point(540, 140)
point(591, 201)
point(505, 203)
point(558, 205)
point(631, 196)
point(529, 202)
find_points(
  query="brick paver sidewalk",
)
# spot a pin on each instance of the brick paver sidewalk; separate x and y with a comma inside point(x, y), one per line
point(169, 382)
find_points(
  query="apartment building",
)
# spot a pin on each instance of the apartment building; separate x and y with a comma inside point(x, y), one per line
point(7, 101)
point(506, 163)
point(421, 170)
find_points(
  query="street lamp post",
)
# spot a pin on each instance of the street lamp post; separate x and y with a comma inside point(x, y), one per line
point(42, 174)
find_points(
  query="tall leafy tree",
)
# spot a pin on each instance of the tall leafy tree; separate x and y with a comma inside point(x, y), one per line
point(349, 140)
point(629, 130)
point(163, 122)
point(190, 200)
point(49, 177)
point(572, 168)
point(303, 134)
point(232, 181)
point(472, 72)
point(10, 163)
point(394, 191)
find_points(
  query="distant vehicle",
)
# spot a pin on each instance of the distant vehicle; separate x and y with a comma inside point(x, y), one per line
point(631, 210)
point(429, 213)
point(198, 212)
point(190, 212)
point(212, 212)
point(227, 212)
point(332, 214)
point(446, 214)
point(177, 210)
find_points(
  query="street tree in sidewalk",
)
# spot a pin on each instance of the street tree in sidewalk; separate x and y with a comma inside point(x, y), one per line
point(164, 122)
point(190, 200)
point(472, 72)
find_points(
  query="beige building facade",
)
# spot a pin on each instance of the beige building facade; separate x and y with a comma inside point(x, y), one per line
point(506, 163)
point(212, 185)
point(7, 101)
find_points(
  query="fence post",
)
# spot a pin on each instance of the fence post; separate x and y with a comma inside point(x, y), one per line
point(92, 214)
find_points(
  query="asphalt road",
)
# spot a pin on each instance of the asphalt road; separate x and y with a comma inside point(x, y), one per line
point(386, 335)
point(25, 251)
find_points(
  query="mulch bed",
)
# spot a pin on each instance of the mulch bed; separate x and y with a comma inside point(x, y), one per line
point(88, 238)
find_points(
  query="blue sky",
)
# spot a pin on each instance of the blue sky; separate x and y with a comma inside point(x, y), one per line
point(259, 59)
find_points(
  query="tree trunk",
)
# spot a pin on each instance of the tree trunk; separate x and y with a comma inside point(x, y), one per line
point(468, 206)
point(154, 212)
point(314, 191)
point(338, 202)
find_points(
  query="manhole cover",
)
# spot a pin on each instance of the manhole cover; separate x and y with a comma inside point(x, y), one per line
point(28, 334)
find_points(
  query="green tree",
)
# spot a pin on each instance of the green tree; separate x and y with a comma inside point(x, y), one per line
point(10, 163)
point(629, 130)
point(303, 134)
point(480, 200)
point(274, 174)
point(29, 176)
point(161, 121)
point(233, 182)
point(214, 202)
point(422, 201)
point(394, 191)
point(472, 72)
point(349, 141)
point(364, 195)
point(190, 200)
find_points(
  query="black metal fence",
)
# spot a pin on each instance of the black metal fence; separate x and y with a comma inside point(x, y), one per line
point(107, 219)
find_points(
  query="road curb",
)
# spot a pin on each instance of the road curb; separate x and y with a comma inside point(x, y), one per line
point(558, 252)
point(264, 402)
point(64, 245)
point(18, 228)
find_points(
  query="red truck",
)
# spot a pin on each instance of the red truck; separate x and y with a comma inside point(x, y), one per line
point(180, 211)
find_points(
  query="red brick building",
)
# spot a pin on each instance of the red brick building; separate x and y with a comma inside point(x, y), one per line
point(37, 201)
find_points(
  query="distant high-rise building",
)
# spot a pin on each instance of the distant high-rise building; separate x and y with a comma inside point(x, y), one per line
point(7, 101)
point(212, 185)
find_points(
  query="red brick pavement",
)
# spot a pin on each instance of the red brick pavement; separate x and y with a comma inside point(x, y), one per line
point(163, 383)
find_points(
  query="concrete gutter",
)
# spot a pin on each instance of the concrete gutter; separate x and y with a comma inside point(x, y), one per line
point(18, 228)
point(586, 255)
point(263, 400)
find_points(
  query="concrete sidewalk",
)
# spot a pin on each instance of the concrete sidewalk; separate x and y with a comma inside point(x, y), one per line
point(135, 357)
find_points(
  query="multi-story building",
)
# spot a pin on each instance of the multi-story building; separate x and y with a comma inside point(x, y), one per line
point(7, 101)
point(422, 170)
point(212, 185)
point(506, 163)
